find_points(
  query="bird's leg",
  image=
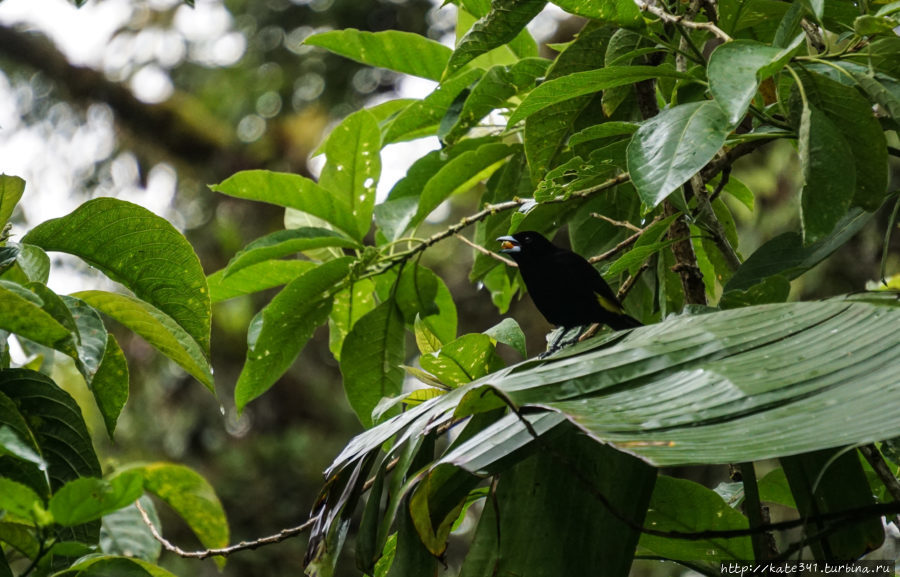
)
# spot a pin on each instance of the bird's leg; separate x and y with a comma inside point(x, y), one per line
point(561, 338)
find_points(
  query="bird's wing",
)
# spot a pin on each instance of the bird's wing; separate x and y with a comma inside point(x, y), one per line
point(585, 273)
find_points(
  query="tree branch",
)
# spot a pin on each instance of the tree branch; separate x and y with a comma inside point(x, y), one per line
point(225, 551)
point(686, 22)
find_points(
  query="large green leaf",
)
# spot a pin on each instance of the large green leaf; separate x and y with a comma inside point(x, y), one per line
point(143, 251)
point(280, 331)
point(619, 12)
point(392, 49)
point(829, 175)
point(371, 357)
point(503, 23)
point(673, 145)
point(260, 276)
point(20, 314)
point(87, 498)
point(284, 243)
point(11, 190)
point(192, 497)
point(736, 69)
point(587, 82)
point(732, 386)
point(353, 150)
point(291, 191)
point(156, 327)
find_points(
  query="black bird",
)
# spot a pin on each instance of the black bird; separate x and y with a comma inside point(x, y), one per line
point(564, 286)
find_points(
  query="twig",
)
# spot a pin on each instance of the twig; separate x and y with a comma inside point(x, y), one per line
point(673, 19)
point(629, 282)
point(612, 221)
point(225, 551)
point(490, 253)
point(624, 244)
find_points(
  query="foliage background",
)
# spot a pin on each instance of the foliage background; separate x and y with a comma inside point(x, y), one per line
point(266, 108)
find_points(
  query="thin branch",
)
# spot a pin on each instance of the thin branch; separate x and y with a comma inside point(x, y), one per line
point(490, 253)
point(629, 282)
point(612, 221)
point(882, 470)
point(225, 551)
point(624, 244)
point(673, 19)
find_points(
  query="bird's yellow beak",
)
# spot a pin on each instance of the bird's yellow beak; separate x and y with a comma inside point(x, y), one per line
point(508, 244)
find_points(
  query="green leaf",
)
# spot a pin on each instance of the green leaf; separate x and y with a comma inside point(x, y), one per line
point(123, 532)
point(460, 174)
point(426, 340)
point(867, 25)
point(785, 254)
point(685, 506)
point(157, 328)
point(399, 51)
point(284, 243)
point(291, 191)
point(56, 424)
point(672, 146)
point(509, 333)
point(736, 68)
point(280, 331)
point(492, 91)
point(623, 13)
point(19, 502)
point(349, 306)
point(102, 362)
point(353, 150)
point(11, 190)
point(370, 360)
point(829, 175)
point(192, 497)
point(502, 24)
point(13, 444)
point(605, 130)
point(109, 565)
point(85, 499)
point(110, 384)
point(32, 265)
point(20, 315)
point(133, 246)
point(420, 117)
point(851, 115)
point(255, 278)
point(416, 292)
point(587, 82)
point(463, 360)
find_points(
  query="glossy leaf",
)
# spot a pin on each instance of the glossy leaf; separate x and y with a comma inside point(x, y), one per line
point(106, 565)
point(23, 316)
point(285, 243)
point(192, 497)
point(623, 13)
point(19, 502)
point(587, 82)
point(420, 117)
point(850, 114)
point(86, 499)
point(680, 505)
point(349, 306)
point(672, 146)
point(110, 384)
point(123, 532)
point(353, 167)
point(11, 190)
point(143, 251)
point(460, 174)
point(463, 360)
point(280, 331)
point(156, 327)
point(735, 70)
point(257, 277)
point(11, 443)
point(829, 175)
point(371, 359)
point(392, 49)
point(291, 191)
point(502, 24)
point(509, 333)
